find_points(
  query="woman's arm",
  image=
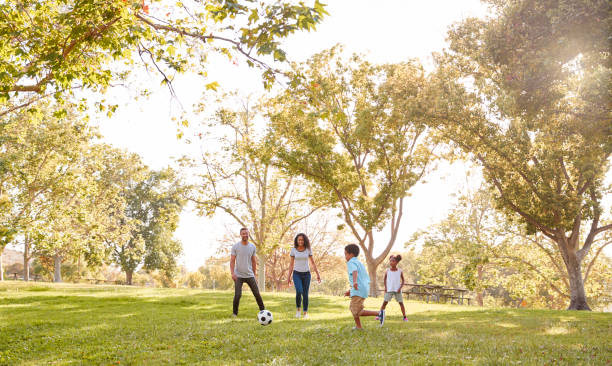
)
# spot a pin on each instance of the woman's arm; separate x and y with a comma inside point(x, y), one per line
point(315, 268)
point(290, 270)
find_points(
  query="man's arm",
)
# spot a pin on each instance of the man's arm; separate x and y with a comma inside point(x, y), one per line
point(232, 265)
point(254, 264)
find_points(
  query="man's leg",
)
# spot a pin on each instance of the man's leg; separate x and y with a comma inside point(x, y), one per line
point(255, 290)
point(237, 294)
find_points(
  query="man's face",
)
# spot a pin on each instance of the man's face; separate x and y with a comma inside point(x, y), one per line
point(244, 235)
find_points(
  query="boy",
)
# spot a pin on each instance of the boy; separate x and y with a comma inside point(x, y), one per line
point(360, 285)
point(243, 265)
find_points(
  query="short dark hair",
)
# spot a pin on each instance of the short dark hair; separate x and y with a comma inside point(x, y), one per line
point(306, 241)
point(243, 228)
point(352, 249)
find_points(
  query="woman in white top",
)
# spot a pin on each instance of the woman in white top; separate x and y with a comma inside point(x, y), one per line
point(299, 270)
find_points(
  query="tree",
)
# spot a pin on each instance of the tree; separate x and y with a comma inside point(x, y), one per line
point(356, 132)
point(153, 206)
point(58, 46)
point(242, 183)
point(41, 152)
point(527, 95)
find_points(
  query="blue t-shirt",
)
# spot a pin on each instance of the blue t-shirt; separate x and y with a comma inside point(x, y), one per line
point(363, 280)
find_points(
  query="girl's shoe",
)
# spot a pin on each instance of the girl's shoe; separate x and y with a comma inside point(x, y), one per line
point(305, 316)
point(405, 319)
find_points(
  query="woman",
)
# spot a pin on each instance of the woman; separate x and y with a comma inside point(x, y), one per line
point(300, 271)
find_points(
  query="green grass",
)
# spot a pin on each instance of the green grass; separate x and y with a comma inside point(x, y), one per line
point(114, 325)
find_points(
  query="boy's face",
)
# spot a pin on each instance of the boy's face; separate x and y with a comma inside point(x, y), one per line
point(347, 255)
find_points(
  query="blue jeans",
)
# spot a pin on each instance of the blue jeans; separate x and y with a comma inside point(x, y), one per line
point(301, 280)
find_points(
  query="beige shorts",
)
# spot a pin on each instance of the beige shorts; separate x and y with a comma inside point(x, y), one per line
point(356, 305)
point(391, 295)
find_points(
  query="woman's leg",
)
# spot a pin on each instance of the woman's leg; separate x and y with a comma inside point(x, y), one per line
point(306, 286)
point(299, 289)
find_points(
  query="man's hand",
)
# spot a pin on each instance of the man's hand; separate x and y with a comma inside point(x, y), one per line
point(348, 293)
point(234, 277)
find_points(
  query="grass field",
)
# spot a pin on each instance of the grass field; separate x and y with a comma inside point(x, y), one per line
point(114, 325)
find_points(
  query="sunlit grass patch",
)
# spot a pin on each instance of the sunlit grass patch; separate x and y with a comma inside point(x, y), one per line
point(76, 324)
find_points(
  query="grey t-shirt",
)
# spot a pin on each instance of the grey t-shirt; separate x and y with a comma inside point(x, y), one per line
point(301, 259)
point(243, 253)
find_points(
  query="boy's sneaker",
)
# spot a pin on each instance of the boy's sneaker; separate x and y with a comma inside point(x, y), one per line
point(356, 329)
point(381, 317)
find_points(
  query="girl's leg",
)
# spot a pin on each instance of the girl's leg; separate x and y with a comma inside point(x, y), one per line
point(403, 309)
point(299, 289)
point(384, 305)
point(305, 287)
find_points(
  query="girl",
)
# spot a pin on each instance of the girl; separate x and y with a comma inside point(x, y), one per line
point(300, 271)
point(394, 281)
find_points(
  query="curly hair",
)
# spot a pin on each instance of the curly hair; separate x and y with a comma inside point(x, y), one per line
point(306, 241)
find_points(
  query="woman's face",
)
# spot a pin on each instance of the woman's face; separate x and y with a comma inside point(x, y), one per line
point(300, 241)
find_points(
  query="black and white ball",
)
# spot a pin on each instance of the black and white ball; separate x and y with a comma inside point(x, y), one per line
point(264, 317)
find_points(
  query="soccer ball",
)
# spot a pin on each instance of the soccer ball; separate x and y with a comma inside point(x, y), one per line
point(264, 317)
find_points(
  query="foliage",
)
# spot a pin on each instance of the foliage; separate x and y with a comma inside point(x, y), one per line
point(526, 95)
point(356, 132)
point(183, 326)
point(60, 45)
point(237, 181)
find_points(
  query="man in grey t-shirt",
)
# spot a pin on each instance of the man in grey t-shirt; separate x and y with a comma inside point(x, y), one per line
point(243, 265)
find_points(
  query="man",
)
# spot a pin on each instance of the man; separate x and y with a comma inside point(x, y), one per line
point(243, 265)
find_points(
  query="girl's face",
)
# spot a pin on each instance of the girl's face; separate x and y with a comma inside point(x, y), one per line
point(392, 262)
point(300, 241)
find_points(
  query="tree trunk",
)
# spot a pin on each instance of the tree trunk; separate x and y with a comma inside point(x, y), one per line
point(480, 294)
point(57, 268)
point(26, 259)
point(261, 272)
point(577, 295)
point(1, 266)
point(373, 276)
point(128, 277)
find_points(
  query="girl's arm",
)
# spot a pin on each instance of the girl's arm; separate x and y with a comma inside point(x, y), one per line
point(402, 285)
point(315, 268)
point(385, 281)
point(290, 270)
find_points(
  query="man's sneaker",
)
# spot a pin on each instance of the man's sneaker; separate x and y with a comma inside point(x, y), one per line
point(297, 314)
point(234, 315)
point(381, 317)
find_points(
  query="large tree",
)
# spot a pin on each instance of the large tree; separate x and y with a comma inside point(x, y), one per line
point(241, 182)
point(356, 131)
point(527, 94)
point(56, 46)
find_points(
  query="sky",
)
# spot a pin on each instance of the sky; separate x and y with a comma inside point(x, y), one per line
point(384, 31)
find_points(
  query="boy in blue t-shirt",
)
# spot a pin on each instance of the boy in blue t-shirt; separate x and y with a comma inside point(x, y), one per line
point(360, 285)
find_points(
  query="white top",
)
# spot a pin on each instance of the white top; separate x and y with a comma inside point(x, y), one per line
point(301, 259)
point(394, 280)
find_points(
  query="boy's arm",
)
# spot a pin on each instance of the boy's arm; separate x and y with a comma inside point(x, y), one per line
point(355, 280)
point(254, 264)
point(232, 265)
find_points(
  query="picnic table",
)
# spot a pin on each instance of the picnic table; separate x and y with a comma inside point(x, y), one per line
point(435, 293)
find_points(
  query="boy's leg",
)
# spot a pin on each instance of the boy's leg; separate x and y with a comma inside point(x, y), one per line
point(306, 287)
point(255, 290)
point(299, 289)
point(237, 294)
